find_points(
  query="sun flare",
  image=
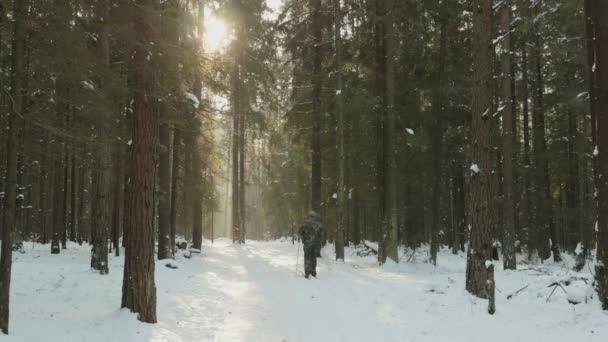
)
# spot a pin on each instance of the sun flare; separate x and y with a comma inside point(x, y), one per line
point(215, 34)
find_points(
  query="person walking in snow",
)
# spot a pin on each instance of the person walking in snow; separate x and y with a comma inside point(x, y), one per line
point(310, 233)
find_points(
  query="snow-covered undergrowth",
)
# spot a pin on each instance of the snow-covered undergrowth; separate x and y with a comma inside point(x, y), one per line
point(253, 293)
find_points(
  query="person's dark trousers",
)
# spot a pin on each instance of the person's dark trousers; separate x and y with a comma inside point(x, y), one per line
point(310, 261)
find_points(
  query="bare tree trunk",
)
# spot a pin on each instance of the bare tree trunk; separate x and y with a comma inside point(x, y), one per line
point(73, 191)
point(58, 212)
point(480, 248)
point(117, 204)
point(438, 109)
point(236, 97)
point(317, 84)
point(103, 184)
point(66, 163)
point(546, 238)
point(235, 156)
point(339, 242)
point(169, 35)
point(83, 182)
point(18, 79)
point(164, 204)
point(139, 290)
point(197, 165)
point(526, 193)
point(597, 10)
point(174, 181)
point(509, 260)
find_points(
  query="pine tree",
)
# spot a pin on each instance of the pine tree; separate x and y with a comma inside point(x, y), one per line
point(480, 249)
point(18, 80)
point(138, 289)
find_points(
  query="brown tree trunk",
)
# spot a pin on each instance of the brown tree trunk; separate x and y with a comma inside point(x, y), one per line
point(139, 290)
point(197, 165)
point(169, 35)
point(526, 193)
point(546, 237)
point(66, 168)
point(103, 186)
point(58, 212)
point(598, 12)
point(164, 193)
point(480, 248)
point(117, 204)
point(509, 260)
point(317, 84)
point(236, 97)
point(458, 199)
point(73, 191)
point(437, 142)
point(235, 157)
point(339, 242)
point(18, 79)
point(174, 181)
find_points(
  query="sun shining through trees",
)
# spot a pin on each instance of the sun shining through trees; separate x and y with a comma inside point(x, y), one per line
point(215, 34)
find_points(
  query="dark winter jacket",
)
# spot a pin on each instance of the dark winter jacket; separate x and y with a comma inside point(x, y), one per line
point(310, 232)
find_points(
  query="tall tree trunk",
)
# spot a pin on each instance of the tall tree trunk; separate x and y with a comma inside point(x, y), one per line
point(197, 165)
point(83, 182)
point(243, 109)
point(236, 97)
point(546, 238)
point(509, 260)
point(164, 175)
point(389, 240)
point(139, 290)
point(339, 242)
point(438, 109)
point(66, 168)
point(117, 204)
point(18, 79)
point(169, 36)
point(526, 193)
point(598, 12)
point(235, 155)
point(317, 84)
point(103, 185)
point(58, 212)
point(242, 180)
point(73, 191)
point(458, 199)
point(380, 62)
point(480, 248)
point(174, 181)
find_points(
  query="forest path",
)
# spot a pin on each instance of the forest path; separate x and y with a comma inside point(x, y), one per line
point(251, 292)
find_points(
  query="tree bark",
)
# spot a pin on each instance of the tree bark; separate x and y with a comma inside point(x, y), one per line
point(339, 242)
point(509, 260)
point(197, 165)
point(18, 79)
point(117, 204)
point(317, 84)
point(103, 185)
point(480, 248)
point(598, 12)
point(73, 192)
point(437, 142)
point(139, 290)
point(169, 35)
point(174, 181)
point(389, 240)
point(546, 236)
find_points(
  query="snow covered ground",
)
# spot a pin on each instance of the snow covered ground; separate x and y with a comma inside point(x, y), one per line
point(251, 293)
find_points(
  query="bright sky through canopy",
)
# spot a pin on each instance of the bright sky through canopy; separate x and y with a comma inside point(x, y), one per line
point(215, 34)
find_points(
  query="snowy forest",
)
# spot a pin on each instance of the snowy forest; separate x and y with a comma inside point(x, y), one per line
point(304, 170)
